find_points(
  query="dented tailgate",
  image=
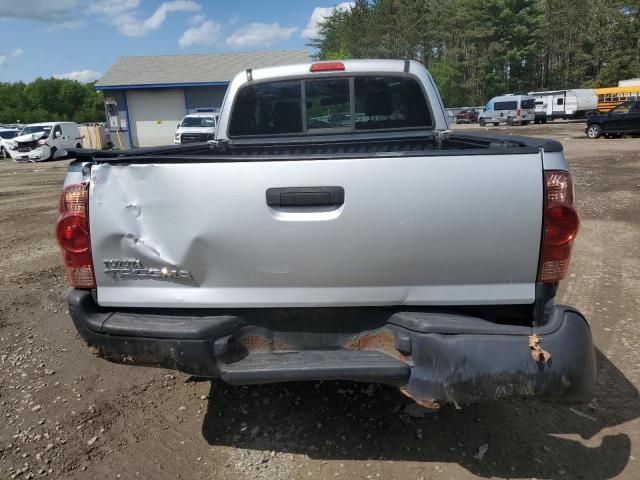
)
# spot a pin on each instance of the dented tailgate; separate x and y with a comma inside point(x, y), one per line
point(442, 230)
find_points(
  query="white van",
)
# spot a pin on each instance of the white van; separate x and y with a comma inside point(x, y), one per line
point(197, 127)
point(42, 141)
point(510, 109)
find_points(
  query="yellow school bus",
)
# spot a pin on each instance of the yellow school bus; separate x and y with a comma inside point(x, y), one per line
point(611, 97)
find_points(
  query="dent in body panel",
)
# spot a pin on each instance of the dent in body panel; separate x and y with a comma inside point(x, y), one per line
point(129, 236)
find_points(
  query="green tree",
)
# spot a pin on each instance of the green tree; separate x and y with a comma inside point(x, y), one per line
point(479, 48)
point(48, 100)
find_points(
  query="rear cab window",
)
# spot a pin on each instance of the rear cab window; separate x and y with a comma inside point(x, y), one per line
point(329, 105)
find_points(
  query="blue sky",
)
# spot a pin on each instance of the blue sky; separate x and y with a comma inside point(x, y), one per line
point(81, 39)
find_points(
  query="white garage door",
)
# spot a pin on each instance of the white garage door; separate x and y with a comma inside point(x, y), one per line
point(154, 116)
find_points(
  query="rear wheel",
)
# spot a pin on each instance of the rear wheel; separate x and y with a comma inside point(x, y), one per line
point(482, 122)
point(594, 131)
point(510, 121)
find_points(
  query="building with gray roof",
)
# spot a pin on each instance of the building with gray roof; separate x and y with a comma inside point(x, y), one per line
point(147, 96)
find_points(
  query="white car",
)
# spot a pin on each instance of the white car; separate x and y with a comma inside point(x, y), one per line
point(42, 141)
point(6, 134)
point(197, 127)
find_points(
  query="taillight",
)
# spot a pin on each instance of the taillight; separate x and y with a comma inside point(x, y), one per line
point(72, 233)
point(560, 226)
point(517, 113)
point(327, 67)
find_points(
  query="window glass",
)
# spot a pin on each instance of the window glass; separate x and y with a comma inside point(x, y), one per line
point(46, 129)
point(621, 109)
point(389, 102)
point(560, 101)
point(327, 103)
point(57, 131)
point(206, 122)
point(8, 134)
point(267, 108)
point(380, 102)
point(527, 104)
point(506, 105)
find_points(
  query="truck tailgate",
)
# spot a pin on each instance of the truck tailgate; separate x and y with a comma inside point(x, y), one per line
point(434, 230)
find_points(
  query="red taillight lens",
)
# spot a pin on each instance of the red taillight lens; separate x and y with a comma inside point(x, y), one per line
point(327, 67)
point(561, 223)
point(72, 233)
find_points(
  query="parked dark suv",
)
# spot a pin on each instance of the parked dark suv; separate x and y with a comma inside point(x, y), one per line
point(467, 116)
point(624, 119)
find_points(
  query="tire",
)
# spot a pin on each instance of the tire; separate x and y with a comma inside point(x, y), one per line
point(544, 121)
point(53, 153)
point(4, 153)
point(78, 145)
point(482, 122)
point(594, 131)
point(510, 121)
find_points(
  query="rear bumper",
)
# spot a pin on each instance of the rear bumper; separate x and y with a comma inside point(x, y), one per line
point(433, 357)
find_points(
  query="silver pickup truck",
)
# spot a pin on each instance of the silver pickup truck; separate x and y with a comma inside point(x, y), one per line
point(335, 229)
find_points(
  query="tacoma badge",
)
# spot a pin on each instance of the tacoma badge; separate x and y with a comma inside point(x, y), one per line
point(133, 269)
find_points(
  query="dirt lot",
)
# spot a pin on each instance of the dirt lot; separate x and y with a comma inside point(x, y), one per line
point(67, 414)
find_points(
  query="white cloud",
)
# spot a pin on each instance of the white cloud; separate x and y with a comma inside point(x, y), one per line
point(197, 19)
point(312, 30)
point(18, 52)
point(50, 11)
point(83, 76)
point(3, 58)
point(259, 34)
point(207, 34)
point(125, 16)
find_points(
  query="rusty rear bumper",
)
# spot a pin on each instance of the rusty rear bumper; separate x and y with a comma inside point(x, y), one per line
point(433, 357)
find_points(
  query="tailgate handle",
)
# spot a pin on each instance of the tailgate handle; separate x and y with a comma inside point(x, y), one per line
point(305, 196)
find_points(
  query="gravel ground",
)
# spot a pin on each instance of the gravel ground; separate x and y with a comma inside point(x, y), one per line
point(67, 414)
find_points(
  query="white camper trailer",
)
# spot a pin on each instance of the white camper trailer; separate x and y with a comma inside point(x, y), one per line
point(575, 103)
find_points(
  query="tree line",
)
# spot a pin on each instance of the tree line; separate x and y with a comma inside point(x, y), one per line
point(50, 99)
point(476, 49)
